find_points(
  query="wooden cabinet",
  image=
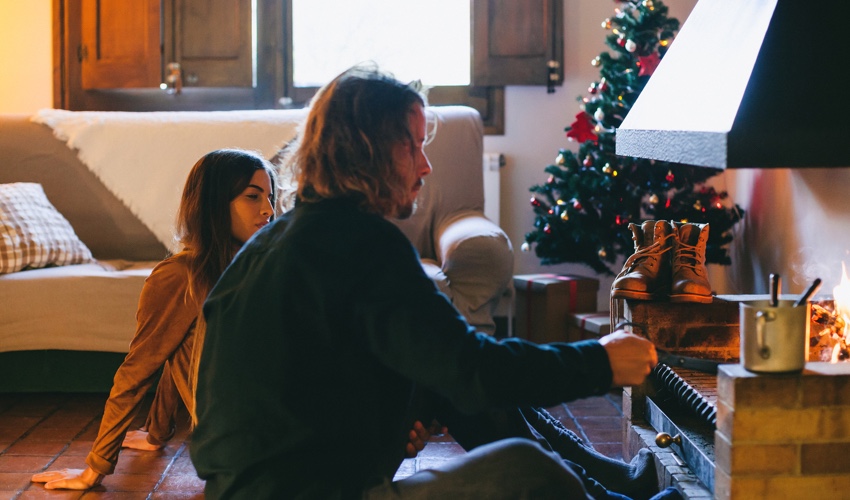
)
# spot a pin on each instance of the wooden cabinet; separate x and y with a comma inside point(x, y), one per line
point(211, 40)
point(120, 44)
point(517, 42)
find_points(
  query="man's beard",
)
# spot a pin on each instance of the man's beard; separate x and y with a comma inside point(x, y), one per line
point(405, 211)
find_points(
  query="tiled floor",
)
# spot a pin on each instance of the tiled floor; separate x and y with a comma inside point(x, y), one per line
point(53, 431)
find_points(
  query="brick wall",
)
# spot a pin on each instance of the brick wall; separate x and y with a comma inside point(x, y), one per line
point(783, 436)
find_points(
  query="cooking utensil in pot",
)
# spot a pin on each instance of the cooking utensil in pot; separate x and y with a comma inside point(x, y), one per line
point(775, 289)
point(809, 293)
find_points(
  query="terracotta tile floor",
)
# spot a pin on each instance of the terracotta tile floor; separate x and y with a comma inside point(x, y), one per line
point(52, 431)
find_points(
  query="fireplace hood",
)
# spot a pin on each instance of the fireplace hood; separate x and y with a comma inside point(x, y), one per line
point(749, 84)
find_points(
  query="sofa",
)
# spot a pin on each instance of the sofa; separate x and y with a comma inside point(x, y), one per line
point(116, 179)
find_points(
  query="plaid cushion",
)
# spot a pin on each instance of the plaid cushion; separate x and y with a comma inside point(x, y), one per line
point(33, 233)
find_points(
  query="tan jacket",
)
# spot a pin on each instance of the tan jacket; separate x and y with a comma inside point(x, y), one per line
point(165, 338)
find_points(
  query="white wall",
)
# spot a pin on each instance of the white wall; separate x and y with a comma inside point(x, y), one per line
point(26, 56)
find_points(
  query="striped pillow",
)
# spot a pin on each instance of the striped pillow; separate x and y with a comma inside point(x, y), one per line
point(33, 233)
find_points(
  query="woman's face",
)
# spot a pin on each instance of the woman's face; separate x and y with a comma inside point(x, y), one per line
point(252, 208)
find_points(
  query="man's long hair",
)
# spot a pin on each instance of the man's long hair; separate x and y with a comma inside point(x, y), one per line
point(345, 148)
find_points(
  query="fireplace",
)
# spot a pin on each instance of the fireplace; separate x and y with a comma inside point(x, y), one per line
point(736, 434)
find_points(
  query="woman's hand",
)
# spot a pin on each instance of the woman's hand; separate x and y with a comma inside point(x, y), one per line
point(420, 435)
point(68, 479)
point(138, 440)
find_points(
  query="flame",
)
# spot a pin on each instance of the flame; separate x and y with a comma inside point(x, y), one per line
point(841, 295)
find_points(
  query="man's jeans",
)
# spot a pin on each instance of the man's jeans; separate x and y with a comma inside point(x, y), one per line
point(512, 468)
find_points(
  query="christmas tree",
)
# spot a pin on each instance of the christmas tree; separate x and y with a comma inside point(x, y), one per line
point(582, 212)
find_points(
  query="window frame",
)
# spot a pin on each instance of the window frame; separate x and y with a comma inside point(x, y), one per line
point(274, 88)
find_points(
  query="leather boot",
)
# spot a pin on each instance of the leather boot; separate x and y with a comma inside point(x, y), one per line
point(690, 277)
point(646, 274)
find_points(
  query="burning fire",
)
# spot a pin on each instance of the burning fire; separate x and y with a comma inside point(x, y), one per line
point(831, 342)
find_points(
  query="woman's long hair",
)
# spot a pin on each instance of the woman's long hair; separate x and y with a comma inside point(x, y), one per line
point(345, 147)
point(203, 219)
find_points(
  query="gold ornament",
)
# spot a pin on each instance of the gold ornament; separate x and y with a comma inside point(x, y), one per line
point(653, 199)
point(607, 23)
point(565, 216)
point(698, 205)
point(648, 4)
point(560, 202)
point(595, 61)
point(607, 168)
point(602, 253)
point(525, 247)
point(560, 160)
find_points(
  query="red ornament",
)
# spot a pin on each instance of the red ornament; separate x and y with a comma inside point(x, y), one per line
point(670, 177)
point(547, 229)
point(648, 64)
point(581, 129)
point(588, 161)
point(576, 204)
point(535, 202)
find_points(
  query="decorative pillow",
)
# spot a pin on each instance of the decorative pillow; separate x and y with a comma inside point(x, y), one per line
point(33, 233)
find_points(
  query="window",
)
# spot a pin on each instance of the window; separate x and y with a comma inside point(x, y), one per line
point(237, 54)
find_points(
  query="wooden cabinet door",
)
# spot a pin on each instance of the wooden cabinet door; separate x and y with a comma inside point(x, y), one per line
point(517, 42)
point(120, 44)
point(212, 40)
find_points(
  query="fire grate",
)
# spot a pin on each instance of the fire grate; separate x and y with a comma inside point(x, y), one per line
point(694, 391)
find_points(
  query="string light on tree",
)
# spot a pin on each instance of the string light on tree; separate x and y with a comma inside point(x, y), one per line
point(606, 192)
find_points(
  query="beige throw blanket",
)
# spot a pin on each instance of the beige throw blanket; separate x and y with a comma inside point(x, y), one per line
point(144, 158)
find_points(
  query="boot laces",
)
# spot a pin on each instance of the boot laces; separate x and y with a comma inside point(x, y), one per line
point(650, 253)
point(689, 256)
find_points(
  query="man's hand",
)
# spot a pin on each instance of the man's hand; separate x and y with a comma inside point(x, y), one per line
point(419, 435)
point(138, 440)
point(68, 479)
point(632, 357)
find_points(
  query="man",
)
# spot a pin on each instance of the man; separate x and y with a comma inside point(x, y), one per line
point(326, 325)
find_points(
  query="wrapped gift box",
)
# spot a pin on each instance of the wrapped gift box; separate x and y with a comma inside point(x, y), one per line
point(543, 302)
point(592, 325)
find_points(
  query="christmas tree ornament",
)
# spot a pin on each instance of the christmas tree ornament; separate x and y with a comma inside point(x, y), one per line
point(630, 45)
point(599, 115)
point(547, 229)
point(669, 177)
point(602, 253)
point(595, 62)
point(607, 23)
point(525, 247)
point(607, 169)
point(592, 88)
point(653, 199)
point(560, 159)
point(576, 204)
point(648, 64)
point(588, 161)
point(565, 216)
point(648, 4)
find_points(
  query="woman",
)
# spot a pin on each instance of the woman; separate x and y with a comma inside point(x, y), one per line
point(229, 195)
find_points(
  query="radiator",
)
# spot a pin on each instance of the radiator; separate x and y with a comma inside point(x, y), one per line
point(492, 164)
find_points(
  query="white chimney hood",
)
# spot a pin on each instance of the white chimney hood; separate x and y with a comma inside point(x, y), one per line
point(749, 84)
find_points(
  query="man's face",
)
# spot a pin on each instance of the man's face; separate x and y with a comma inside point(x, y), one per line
point(410, 161)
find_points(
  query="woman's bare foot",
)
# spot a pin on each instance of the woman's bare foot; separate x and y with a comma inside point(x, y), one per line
point(138, 440)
